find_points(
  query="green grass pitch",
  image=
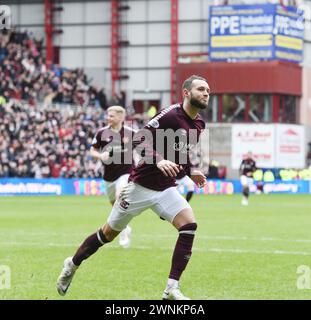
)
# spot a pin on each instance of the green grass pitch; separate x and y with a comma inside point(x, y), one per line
point(239, 252)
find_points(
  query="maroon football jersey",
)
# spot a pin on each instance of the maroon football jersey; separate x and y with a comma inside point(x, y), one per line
point(248, 166)
point(173, 119)
point(119, 146)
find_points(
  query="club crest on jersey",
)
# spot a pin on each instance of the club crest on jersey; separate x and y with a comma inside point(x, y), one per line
point(124, 204)
point(154, 123)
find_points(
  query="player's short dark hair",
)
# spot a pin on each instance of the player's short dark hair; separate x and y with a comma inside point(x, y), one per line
point(188, 82)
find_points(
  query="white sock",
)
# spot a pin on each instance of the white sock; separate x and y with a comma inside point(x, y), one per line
point(72, 265)
point(172, 283)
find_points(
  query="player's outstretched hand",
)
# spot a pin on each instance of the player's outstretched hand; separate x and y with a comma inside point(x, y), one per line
point(199, 178)
point(168, 168)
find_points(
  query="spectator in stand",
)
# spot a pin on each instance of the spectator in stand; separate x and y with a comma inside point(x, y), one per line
point(213, 170)
point(102, 98)
point(116, 100)
point(309, 155)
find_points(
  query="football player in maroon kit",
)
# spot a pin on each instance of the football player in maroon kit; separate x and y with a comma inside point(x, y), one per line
point(152, 185)
point(115, 138)
point(247, 168)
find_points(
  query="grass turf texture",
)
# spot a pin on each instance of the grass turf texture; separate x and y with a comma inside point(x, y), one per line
point(239, 252)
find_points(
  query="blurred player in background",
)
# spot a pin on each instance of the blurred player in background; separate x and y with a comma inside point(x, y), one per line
point(152, 185)
point(247, 168)
point(115, 138)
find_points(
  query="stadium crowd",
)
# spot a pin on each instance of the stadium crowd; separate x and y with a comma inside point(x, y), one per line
point(25, 76)
point(38, 139)
point(44, 143)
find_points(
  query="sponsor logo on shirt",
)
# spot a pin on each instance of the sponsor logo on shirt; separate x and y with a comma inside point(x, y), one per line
point(154, 123)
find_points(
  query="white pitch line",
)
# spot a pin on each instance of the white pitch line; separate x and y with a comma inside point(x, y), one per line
point(219, 250)
point(173, 236)
point(242, 238)
point(255, 239)
point(277, 252)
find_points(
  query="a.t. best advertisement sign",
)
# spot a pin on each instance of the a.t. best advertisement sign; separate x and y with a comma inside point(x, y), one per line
point(259, 139)
point(272, 145)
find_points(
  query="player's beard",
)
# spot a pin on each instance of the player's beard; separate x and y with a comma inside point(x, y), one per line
point(197, 103)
